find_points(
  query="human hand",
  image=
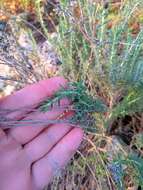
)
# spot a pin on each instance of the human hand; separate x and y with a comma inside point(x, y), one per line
point(30, 155)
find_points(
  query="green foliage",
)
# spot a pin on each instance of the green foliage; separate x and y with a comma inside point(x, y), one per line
point(113, 56)
point(110, 59)
point(131, 103)
point(129, 71)
point(134, 163)
point(138, 141)
point(83, 104)
point(117, 173)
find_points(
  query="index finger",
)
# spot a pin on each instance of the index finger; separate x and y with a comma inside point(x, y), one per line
point(30, 96)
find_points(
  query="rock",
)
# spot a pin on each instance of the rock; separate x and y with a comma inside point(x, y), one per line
point(25, 59)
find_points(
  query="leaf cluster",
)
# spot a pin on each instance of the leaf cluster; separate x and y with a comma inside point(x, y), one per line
point(132, 162)
point(83, 104)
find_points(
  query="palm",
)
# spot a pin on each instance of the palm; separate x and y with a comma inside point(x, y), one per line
point(30, 156)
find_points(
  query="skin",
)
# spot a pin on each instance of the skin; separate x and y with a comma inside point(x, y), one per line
point(31, 155)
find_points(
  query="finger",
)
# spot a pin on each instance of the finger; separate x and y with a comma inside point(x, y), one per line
point(44, 169)
point(43, 143)
point(25, 134)
point(30, 96)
